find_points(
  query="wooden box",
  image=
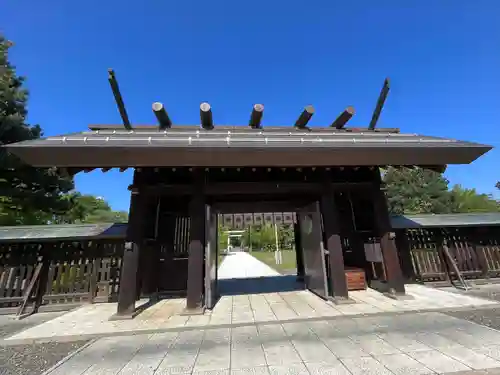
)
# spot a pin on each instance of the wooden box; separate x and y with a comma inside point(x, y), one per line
point(355, 278)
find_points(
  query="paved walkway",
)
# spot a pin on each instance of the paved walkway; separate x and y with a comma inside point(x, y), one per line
point(265, 297)
point(278, 331)
point(241, 265)
point(426, 343)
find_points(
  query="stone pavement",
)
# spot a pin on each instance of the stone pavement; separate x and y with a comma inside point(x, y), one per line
point(252, 293)
point(243, 306)
point(241, 265)
point(412, 343)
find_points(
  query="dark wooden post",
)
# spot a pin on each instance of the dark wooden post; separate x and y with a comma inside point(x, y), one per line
point(477, 245)
point(149, 284)
point(44, 274)
point(331, 227)
point(194, 301)
point(299, 255)
point(404, 251)
point(438, 237)
point(130, 263)
point(394, 275)
point(96, 264)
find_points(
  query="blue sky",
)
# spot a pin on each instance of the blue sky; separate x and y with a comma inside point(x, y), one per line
point(443, 58)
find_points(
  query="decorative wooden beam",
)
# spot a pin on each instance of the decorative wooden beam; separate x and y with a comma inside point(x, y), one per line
point(343, 118)
point(123, 169)
point(256, 116)
point(88, 170)
point(380, 104)
point(304, 117)
point(162, 116)
point(118, 98)
point(105, 169)
point(206, 116)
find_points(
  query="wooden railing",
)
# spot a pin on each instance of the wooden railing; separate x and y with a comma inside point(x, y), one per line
point(476, 254)
point(75, 271)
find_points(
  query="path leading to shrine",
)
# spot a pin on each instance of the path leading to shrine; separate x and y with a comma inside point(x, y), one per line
point(241, 265)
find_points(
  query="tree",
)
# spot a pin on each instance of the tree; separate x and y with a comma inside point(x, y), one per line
point(469, 200)
point(417, 190)
point(27, 195)
point(497, 185)
point(91, 209)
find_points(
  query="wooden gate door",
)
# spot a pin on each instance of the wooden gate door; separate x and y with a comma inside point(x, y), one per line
point(211, 256)
point(313, 250)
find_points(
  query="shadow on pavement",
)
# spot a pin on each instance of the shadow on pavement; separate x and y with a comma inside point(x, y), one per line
point(267, 284)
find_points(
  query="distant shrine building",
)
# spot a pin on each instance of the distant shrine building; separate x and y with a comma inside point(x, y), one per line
point(325, 181)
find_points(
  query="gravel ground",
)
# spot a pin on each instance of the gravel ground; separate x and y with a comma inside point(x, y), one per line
point(33, 358)
point(487, 317)
point(10, 326)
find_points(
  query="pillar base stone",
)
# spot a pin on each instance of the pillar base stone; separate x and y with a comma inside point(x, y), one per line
point(188, 311)
point(399, 296)
point(342, 300)
point(117, 316)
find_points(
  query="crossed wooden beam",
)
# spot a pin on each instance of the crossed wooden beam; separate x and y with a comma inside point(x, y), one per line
point(164, 121)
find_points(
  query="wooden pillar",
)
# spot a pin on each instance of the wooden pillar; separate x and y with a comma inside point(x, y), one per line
point(299, 254)
point(196, 245)
point(130, 263)
point(149, 284)
point(394, 275)
point(404, 251)
point(331, 227)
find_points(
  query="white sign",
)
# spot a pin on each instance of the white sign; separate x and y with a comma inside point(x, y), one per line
point(373, 253)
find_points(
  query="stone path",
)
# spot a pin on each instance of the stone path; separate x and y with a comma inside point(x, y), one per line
point(425, 343)
point(241, 265)
point(242, 309)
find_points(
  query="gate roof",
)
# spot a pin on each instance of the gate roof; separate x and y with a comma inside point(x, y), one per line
point(239, 146)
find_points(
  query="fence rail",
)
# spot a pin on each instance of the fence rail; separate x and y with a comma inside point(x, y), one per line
point(76, 271)
point(476, 256)
point(89, 271)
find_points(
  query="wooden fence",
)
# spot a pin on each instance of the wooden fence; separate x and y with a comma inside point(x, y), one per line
point(75, 272)
point(476, 253)
point(89, 271)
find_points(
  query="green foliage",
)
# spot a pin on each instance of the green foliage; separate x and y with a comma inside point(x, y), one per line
point(222, 236)
point(417, 190)
point(90, 209)
point(27, 195)
point(468, 200)
point(262, 237)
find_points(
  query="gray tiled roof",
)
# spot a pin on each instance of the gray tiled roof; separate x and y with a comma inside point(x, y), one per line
point(244, 138)
point(118, 231)
point(62, 231)
point(240, 146)
point(445, 220)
